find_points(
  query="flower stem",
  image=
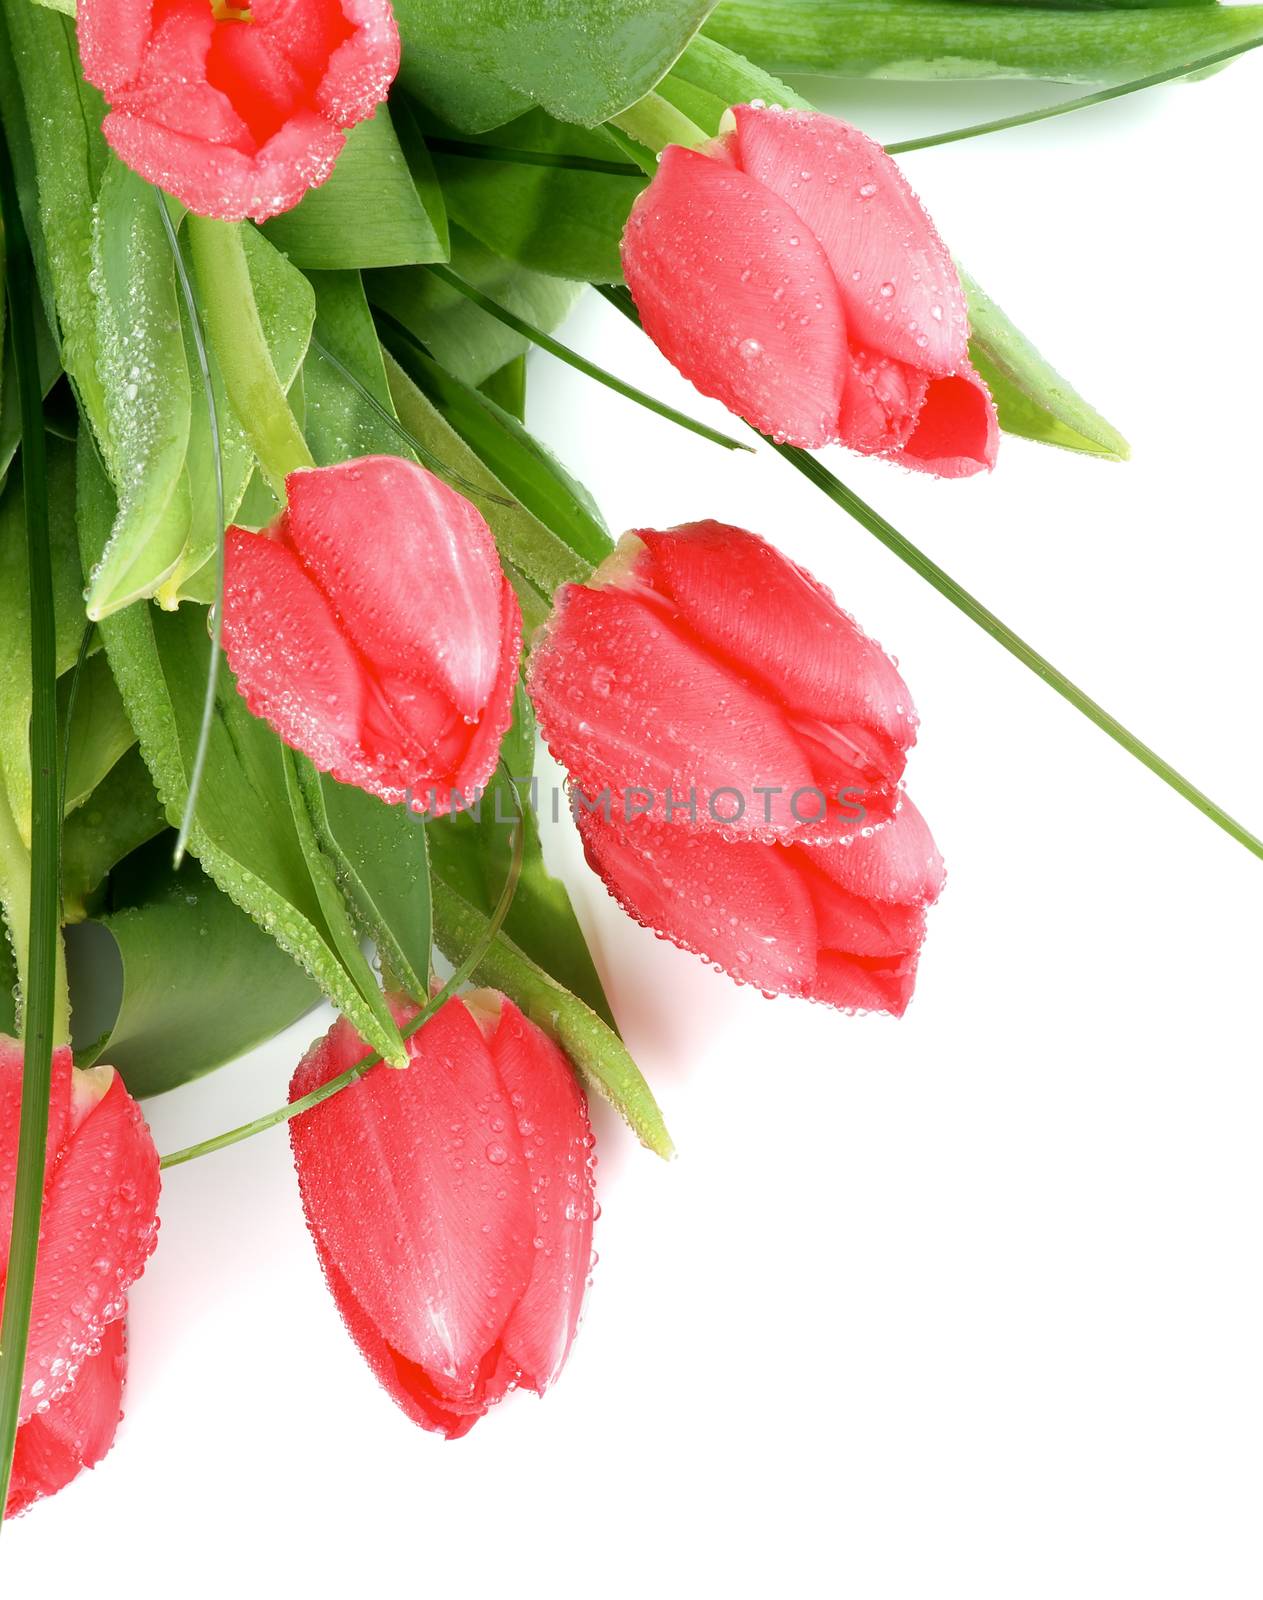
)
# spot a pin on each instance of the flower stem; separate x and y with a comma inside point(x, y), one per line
point(655, 123)
point(987, 620)
point(40, 1009)
point(344, 1080)
point(236, 335)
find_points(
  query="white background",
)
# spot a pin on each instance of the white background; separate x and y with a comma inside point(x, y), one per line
point(966, 1305)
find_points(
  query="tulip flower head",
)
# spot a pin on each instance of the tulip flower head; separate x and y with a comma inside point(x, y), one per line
point(98, 1229)
point(788, 270)
point(451, 1206)
point(736, 745)
point(372, 626)
point(236, 110)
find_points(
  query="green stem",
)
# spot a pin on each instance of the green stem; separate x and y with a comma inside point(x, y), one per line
point(580, 363)
point(987, 620)
point(655, 123)
point(1042, 113)
point(353, 1074)
point(245, 362)
point(39, 1019)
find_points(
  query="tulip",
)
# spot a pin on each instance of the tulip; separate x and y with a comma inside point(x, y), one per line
point(839, 922)
point(451, 1206)
point(372, 626)
point(788, 270)
point(237, 111)
point(701, 676)
point(98, 1228)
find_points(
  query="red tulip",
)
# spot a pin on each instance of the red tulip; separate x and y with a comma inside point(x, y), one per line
point(789, 271)
point(236, 111)
point(372, 626)
point(98, 1229)
point(840, 922)
point(703, 665)
point(451, 1206)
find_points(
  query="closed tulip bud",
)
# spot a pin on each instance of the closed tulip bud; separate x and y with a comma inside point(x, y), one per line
point(236, 110)
point(98, 1228)
point(372, 626)
point(788, 270)
point(702, 677)
point(451, 1206)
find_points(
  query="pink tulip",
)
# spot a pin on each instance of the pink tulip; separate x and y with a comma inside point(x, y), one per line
point(236, 110)
point(840, 922)
point(98, 1229)
point(788, 270)
point(372, 626)
point(451, 1206)
point(701, 676)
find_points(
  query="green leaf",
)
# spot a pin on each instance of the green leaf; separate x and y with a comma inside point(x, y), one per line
point(10, 412)
point(1032, 398)
point(600, 1056)
point(8, 987)
point(481, 63)
point(121, 814)
point(381, 863)
point(100, 734)
point(244, 832)
point(556, 220)
point(506, 388)
point(462, 337)
point(200, 982)
point(370, 213)
point(932, 40)
point(15, 619)
point(531, 473)
point(470, 852)
point(286, 310)
point(148, 401)
point(341, 422)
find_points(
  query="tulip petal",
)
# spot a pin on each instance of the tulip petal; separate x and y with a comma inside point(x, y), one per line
point(957, 432)
point(853, 925)
point(898, 283)
point(741, 906)
point(292, 664)
point(77, 1428)
point(411, 566)
point(852, 983)
point(11, 1061)
point(772, 620)
point(417, 1193)
point(899, 863)
point(97, 1233)
point(735, 292)
point(552, 1122)
point(880, 403)
point(362, 69)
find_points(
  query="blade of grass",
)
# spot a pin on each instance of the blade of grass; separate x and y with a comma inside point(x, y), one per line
point(40, 998)
point(507, 155)
point(563, 352)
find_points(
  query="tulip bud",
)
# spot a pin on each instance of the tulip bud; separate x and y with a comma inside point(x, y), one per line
point(236, 110)
point(788, 270)
point(451, 1206)
point(702, 676)
point(98, 1229)
point(372, 626)
point(736, 744)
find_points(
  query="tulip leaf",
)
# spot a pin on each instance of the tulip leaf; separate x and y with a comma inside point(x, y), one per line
point(471, 850)
point(381, 862)
point(244, 831)
point(11, 414)
point(479, 64)
point(121, 814)
point(462, 337)
point(599, 1055)
point(8, 987)
point(148, 399)
point(560, 220)
point(371, 212)
point(926, 39)
point(99, 734)
point(286, 308)
point(1032, 399)
point(200, 982)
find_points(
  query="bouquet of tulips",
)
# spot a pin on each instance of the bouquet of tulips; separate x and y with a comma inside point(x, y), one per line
point(288, 589)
